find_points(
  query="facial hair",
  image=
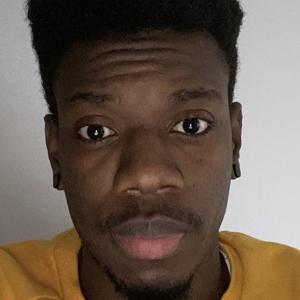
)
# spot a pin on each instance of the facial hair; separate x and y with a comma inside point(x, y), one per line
point(175, 291)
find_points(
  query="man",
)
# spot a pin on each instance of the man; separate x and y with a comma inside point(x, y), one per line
point(143, 136)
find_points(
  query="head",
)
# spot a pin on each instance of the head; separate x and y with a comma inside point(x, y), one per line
point(141, 123)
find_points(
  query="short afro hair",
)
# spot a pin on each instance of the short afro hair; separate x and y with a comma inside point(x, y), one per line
point(57, 24)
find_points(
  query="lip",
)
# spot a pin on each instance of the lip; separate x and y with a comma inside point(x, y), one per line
point(151, 227)
point(149, 238)
point(149, 248)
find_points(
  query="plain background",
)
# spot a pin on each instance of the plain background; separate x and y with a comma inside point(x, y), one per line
point(264, 203)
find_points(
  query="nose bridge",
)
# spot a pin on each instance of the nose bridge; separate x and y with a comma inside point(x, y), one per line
point(145, 146)
point(145, 165)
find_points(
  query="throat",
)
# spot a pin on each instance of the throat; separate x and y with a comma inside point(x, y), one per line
point(224, 276)
point(211, 280)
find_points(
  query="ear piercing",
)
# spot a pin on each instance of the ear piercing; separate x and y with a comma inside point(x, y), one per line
point(56, 181)
point(237, 170)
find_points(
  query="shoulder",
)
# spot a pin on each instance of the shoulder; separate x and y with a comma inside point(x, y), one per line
point(265, 269)
point(260, 269)
point(28, 269)
point(250, 247)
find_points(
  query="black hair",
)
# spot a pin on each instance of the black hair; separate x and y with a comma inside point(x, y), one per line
point(57, 24)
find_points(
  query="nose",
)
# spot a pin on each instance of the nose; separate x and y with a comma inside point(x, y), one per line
point(146, 167)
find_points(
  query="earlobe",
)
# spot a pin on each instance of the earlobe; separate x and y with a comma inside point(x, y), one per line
point(52, 137)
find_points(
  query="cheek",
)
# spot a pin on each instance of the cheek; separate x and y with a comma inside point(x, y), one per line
point(209, 161)
point(207, 172)
point(87, 176)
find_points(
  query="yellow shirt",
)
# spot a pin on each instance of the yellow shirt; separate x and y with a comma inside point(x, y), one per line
point(47, 269)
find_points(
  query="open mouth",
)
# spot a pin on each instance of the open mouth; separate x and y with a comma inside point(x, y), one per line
point(150, 238)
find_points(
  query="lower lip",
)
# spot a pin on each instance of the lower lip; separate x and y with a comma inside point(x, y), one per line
point(149, 249)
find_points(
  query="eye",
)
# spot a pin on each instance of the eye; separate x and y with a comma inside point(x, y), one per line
point(192, 126)
point(95, 132)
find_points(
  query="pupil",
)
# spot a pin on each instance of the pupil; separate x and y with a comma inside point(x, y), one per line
point(95, 132)
point(191, 125)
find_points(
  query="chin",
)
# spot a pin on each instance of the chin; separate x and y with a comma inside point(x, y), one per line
point(154, 285)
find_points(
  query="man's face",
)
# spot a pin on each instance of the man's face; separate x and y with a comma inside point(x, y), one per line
point(145, 131)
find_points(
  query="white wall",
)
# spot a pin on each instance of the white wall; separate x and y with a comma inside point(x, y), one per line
point(264, 203)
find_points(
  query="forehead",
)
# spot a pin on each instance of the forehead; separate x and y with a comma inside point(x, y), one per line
point(121, 61)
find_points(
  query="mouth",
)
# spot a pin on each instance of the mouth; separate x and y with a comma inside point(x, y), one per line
point(149, 238)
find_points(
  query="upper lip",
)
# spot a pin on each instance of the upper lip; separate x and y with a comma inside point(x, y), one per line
point(154, 226)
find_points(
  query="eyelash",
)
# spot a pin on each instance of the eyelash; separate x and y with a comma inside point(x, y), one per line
point(210, 126)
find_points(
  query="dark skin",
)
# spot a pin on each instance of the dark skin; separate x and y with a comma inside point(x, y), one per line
point(143, 87)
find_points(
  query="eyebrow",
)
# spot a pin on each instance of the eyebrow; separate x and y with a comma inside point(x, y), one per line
point(186, 95)
point(89, 97)
point(180, 96)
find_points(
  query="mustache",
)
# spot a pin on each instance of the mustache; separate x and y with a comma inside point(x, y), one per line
point(134, 210)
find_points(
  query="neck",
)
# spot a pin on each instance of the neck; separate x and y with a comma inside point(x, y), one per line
point(211, 278)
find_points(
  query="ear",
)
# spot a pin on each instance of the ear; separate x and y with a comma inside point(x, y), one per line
point(52, 138)
point(236, 117)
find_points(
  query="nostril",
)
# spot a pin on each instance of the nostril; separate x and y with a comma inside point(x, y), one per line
point(133, 192)
point(162, 190)
point(166, 189)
